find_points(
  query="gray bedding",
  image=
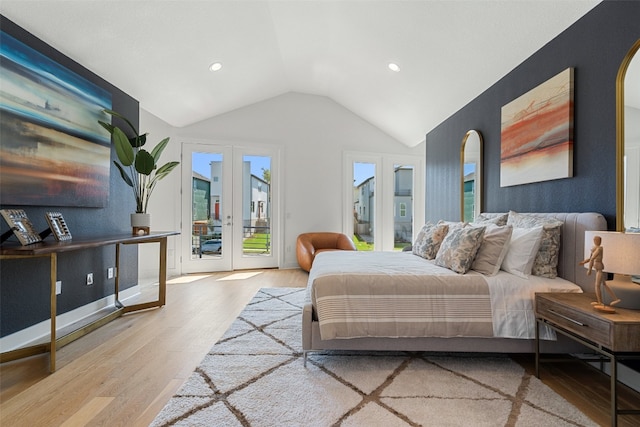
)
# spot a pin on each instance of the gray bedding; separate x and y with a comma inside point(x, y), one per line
point(391, 294)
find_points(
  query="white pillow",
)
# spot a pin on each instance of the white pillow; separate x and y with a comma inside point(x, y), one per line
point(493, 249)
point(546, 262)
point(522, 251)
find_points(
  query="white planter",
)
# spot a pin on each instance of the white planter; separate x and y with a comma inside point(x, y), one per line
point(141, 223)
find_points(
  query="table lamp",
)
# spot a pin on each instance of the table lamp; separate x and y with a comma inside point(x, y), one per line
point(620, 256)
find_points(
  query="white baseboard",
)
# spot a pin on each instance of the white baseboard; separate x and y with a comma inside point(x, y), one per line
point(42, 330)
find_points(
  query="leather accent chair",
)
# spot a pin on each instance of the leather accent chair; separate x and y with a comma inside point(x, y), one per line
point(310, 244)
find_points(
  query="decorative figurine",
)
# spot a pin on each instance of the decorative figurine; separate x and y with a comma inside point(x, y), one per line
point(595, 262)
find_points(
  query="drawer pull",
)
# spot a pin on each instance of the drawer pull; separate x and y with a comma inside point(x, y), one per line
point(568, 318)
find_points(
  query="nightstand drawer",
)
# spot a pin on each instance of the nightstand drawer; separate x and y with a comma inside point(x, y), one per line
point(577, 321)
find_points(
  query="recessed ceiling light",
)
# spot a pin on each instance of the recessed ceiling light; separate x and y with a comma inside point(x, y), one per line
point(393, 66)
point(216, 66)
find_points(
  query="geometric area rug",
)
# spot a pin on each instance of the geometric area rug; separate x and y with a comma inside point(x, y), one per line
point(254, 376)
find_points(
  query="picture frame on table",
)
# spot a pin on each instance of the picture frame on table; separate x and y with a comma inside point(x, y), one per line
point(58, 226)
point(21, 226)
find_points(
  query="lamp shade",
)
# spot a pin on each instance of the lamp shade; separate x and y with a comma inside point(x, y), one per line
point(620, 251)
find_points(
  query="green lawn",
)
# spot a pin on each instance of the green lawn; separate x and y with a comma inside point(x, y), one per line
point(259, 242)
point(361, 245)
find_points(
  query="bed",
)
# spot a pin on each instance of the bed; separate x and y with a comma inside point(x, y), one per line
point(398, 301)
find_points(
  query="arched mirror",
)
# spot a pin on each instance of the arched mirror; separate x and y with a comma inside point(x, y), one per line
point(471, 175)
point(628, 142)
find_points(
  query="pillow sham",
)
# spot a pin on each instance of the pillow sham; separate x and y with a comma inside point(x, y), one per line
point(459, 248)
point(499, 219)
point(493, 249)
point(546, 262)
point(429, 239)
point(453, 224)
point(522, 251)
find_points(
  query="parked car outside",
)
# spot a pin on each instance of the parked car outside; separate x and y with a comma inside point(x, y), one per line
point(209, 247)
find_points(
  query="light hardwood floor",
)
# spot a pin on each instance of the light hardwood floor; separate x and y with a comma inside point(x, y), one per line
point(124, 373)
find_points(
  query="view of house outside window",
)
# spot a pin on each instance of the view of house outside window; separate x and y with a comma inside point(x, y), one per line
point(364, 202)
point(364, 205)
point(403, 206)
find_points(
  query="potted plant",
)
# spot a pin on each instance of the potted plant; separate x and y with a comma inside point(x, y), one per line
point(138, 167)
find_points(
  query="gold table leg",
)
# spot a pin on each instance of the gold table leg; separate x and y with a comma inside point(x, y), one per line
point(162, 278)
point(54, 311)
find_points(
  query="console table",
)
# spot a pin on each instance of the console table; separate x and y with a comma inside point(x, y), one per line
point(51, 249)
point(615, 336)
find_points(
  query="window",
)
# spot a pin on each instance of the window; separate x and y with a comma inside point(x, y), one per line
point(383, 200)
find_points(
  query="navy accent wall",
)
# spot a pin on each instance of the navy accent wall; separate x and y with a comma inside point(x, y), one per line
point(595, 46)
point(24, 284)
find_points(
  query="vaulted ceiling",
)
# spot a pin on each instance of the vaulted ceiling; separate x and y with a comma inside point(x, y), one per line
point(160, 51)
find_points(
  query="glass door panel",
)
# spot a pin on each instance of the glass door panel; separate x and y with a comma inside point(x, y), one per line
point(364, 203)
point(206, 211)
point(206, 205)
point(255, 238)
point(256, 206)
point(403, 177)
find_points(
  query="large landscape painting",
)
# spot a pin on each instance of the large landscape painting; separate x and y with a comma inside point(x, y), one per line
point(537, 133)
point(53, 152)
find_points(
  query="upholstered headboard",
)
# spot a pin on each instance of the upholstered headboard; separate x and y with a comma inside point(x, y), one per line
point(572, 244)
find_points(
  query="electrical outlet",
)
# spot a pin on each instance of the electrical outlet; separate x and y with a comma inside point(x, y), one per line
point(110, 273)
point(90, 279)
point(58, 287)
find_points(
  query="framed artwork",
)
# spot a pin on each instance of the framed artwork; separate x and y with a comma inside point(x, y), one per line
point(58, 226)
point(537, 133)
point(21, 226)
point(53, 152)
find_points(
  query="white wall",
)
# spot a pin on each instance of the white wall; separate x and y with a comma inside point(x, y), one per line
point(164, 204)
point(313, 132)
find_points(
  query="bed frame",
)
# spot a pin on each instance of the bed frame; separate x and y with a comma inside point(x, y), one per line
point(571, 253)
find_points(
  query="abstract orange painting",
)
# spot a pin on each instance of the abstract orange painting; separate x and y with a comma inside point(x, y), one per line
point(537, 133)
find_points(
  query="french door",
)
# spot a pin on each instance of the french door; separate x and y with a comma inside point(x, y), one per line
point(383, 199)
point(229, 208)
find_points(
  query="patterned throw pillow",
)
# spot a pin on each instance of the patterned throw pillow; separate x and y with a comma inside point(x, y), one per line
point(493, 249)
point(453, 225)
point(429, 239)
point(546, 262)
point(499, 219)
point(459, 248)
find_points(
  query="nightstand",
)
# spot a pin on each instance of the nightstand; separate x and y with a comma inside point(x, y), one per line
point(615, 336)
